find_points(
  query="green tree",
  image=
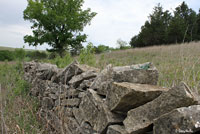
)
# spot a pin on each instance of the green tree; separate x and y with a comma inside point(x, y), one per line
point(197, 35)
point(154, 31)
point(101, 49)
point(59, 23)
point(166, 28)
point(121, 44)
point(183, 25)
point(87, 55)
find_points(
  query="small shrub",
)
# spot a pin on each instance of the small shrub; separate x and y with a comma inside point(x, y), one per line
point(20, 53)
point(87, 55)
point(62, 62)
point(53, 55)
point(101, 49)
point(6, 55)
point(36, 55)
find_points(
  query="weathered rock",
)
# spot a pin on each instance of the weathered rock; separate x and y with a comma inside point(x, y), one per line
point(125, 96)
point(141, 73)
point(95, 113)
point(39, 87)
point(68, 112)
point(74, 102)
point(45, 71)
point(182, 120)
point(116, 129)
point(53, 96)
point(67, 73)
point(87, 128)
point(78, 115)
point(76, 80)
point(29, 71)
point(139, 119)
point(71, 70)
point(72, 93)
point(86, 84)
point(73, 126)
point(47, 103)
point(103, 80)
point(52, 121)
point(68, 105)
point(61, 89)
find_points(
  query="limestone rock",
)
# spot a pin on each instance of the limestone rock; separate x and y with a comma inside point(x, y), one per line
point(102, 81)
point(72, 93)
point(125, 96)
point(47, 103)
point(74, 102)
point(179, 121)
point(53, 96)
point(87, 128)
point(68, 112)
point(95, 113)
point(139, 119)
point(71, 70)
point(73, 126)
point(86, 84)
point(76, 80)
point(54, 124)
point(45, 71)
point(141, 73)
point(116, 129)
point(67, 73)
point(144, 73)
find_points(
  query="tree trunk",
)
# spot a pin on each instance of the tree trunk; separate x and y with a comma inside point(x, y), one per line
point(185, 34)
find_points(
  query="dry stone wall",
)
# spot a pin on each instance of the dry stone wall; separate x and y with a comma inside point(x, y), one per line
point(80, 99)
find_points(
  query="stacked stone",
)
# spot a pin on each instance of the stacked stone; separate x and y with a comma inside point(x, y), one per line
point(118, 100)
point(59, 92)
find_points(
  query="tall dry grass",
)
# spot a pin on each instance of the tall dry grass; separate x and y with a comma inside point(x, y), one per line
point(179, 62)
point(17, 109)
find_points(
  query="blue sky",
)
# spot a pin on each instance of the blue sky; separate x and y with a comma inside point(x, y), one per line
point(116, 19)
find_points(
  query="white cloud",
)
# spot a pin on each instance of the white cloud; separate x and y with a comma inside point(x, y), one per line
point(120, 19)
point(12, 36)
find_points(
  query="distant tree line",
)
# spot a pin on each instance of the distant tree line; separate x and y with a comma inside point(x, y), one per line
point(20, 54)
point(163, 27)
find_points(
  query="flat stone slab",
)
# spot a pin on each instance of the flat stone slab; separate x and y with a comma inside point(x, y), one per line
point(102, 82)
point(184, 120)
point(139, 119)
point(76, 80)
point(116, 129)
point(145, 73)
point(140, 73)
point(45, 71)
point(125, 96)
point(72, 126)
point(70, 102)
point(65, 75)
point(94, 112)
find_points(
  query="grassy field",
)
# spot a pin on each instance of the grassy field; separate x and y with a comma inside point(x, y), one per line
point(7, 48)
point(13, 49)
point(17, 109)
point(175, 63)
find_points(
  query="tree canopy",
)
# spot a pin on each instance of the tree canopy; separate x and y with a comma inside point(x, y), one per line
point(59, 23)
point(164, 27)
